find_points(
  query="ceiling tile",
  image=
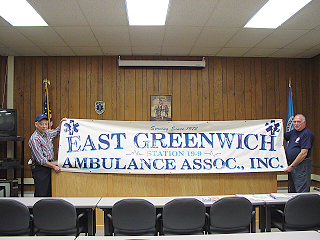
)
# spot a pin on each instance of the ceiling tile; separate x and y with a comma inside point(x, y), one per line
point(248, 37)
point(306, 41)
point(117, 50)
point(308, 53)
point(306, 19)
point(204, 51)
point(146, 36)
point(87, 51)
point(10, 37)
point(58, 51)
point(215, 36)
point(42, 36)
point(280, 38)
point(145, 51)
point(29, 51)
point(112, 35)
point(317, 47)
point(4, 23)
point(77, 36)
point(189, 12)
point(4, 51)
point(287, 53)
point(104, 12)
point(175, 51)
point(260, 52)
point(232, 52)
point(234, 13)
point(180, 36)
point(60, 13)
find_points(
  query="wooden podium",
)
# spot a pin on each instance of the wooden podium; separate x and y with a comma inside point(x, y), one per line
point(67, 184)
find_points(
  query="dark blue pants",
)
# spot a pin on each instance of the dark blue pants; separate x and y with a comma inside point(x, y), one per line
point(42, 181)
point(300, 177)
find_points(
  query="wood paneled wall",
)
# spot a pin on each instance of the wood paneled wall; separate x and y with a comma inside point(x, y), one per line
point(315, 127)
point(3, 104)
point(3, 92)
point(226, 89)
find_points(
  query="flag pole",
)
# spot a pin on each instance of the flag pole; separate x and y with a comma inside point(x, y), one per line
point(46, 97)
point(290, 83)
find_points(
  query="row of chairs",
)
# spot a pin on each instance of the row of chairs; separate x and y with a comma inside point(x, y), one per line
point(139, 217)
point(227, 215)
point(181, 216)
point(49, 217)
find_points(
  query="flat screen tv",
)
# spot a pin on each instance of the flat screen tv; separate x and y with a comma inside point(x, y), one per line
point(8, 122)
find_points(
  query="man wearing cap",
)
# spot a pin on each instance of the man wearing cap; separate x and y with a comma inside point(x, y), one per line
point(41, 147)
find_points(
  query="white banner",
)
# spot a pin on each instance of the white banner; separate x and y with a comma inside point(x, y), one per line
point(175, 147)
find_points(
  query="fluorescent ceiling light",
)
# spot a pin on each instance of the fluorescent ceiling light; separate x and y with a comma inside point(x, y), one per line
point(147, 12)
point(20, 13)
point(275, 12)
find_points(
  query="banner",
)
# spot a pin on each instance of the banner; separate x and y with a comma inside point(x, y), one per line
point(175, 147)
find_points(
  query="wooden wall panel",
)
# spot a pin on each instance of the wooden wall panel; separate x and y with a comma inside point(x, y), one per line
point(210, 86)
point(239, 90)
point(269, 103)
point(95, 87)
point(83, 96)
point(247, 89)
point(205, 92)
point(138, 94)
point(194, 96)
point(3, 92)
point(314, 113)
point(283, 83)
point(64, 87)
point(130, 100)
point(74, 89)
point(145, 96)
point(226, 89)
point(186, 104)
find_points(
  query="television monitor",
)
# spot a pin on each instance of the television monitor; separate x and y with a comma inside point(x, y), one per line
point(8, 122)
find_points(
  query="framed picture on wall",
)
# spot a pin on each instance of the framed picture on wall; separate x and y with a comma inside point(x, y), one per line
point(160, 108)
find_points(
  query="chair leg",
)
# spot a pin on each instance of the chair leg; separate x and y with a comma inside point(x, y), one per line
point(253, 222)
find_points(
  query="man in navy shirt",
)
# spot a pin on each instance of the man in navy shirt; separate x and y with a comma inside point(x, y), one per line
point(298, 155)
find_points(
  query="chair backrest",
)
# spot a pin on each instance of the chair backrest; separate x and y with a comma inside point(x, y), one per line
point(184, 216)
point(14, 218)
point(231, 214)
point(134, 217)
point(54, 215)
point(303, 210)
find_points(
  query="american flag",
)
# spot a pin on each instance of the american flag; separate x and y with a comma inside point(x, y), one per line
point(46, 106)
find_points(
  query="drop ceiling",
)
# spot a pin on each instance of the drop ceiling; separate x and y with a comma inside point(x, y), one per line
point(193, 28)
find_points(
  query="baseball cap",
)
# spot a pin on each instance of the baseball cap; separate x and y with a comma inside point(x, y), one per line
point(39, 117)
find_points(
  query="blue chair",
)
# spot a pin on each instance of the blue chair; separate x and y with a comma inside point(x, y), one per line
point(133, 217)
point(301, 212)
point(183, 216)
point(56, 217)
point(231, 215)
point(15, 218)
